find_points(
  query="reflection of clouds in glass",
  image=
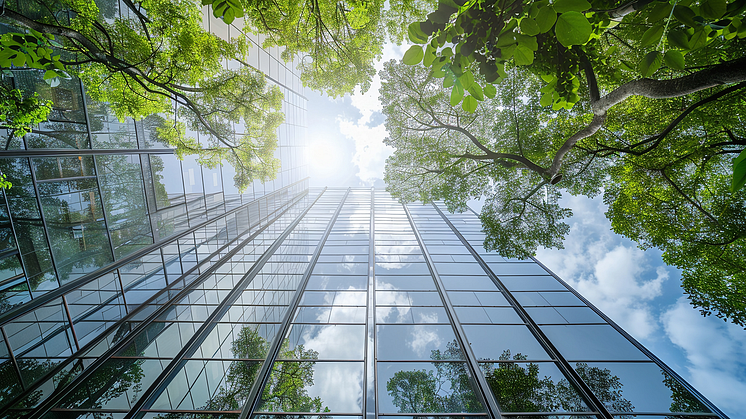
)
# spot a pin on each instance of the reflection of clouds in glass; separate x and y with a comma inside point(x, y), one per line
point(427, 317)
point(339, 384)
point(335, 342)
point(421, 338)
point(383, 251)
point(393, 314)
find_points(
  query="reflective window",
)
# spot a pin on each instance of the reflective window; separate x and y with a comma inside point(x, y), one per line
point(492, 342)
point(405, 342)
point(637, 387)
point(591, 342)
point(532, 387)
point(308, 386)
point(422, 387)
point(306, 341)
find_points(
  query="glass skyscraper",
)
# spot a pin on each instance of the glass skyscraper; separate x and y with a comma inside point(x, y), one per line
point(133, 284)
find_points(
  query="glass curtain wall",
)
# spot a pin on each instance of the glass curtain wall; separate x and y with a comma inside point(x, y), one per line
point(349, 304)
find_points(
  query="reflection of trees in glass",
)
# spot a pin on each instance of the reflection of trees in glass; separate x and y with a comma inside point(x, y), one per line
point(447, 389)
point(681, 399)
point(286, 388)
point(606, 387)
point(517, 387)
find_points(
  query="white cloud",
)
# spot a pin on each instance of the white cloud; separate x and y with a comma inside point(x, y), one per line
point(715, 353)
point(423, 338)
point(612, 273)
point(370, 152)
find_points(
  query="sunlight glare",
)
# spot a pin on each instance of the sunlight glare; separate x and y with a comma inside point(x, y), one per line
point(323, 157)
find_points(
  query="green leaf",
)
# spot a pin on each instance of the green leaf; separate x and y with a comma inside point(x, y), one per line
point(572, 29)
point(626, 65)
point(476, 90)
point(674, 59)
point(466, 79)
point(50, 74)
point(523, 56)
point(713, 9)
point(545, 19)
point(546, 99)
point(527, 41)
point(416, 34)
point(529, 27)
point(429, 55)
point(413, 55)
point(739, 171)
point(679, 38)
point(447, 82)
point(685, 15)
point(457, 93)
point(490, 91)
point(651, 36)
point(659, 12)
point(470, 104)
point(562, 6)
point(699, 39)
point(650, 63)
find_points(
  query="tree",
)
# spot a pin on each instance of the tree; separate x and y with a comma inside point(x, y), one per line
point(156, 58)
point(663, 165)
point(18, 113)
point(336, 41)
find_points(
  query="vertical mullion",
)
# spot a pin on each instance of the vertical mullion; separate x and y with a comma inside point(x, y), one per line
point(255, 393)
point(471, 361)
point(371, 407)
point(563, 364)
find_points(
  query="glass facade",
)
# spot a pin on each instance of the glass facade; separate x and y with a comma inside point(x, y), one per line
point(337, 303)
point(137, 285)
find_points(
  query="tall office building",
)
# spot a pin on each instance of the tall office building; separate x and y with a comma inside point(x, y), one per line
point(133, 284)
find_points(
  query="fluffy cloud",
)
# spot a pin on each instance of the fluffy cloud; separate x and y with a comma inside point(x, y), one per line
point(715, 353)
point(368, 131)
point(611, 272)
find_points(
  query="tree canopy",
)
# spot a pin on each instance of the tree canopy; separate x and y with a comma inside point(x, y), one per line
point(154, 57)
point(642, 102)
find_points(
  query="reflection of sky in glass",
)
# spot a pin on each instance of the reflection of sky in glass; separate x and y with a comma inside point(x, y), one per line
point(330, 341)
point(412, 342)
point(591, 342)
point(489, 342)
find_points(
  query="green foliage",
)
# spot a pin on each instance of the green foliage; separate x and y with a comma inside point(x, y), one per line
point(157, 59)
point(664, 164)
point(336, 42)
point(485, 36)
point(449, 153)
point(18, 113)
point(34, 50)
point(4, 182)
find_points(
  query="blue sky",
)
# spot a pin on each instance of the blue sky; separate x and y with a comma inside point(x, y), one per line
point(633, 287)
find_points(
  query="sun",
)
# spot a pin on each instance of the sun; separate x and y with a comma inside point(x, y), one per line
point(324, 157)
